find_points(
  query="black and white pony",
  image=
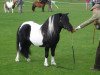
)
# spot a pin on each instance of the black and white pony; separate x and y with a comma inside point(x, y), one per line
point(46, 35)
point(9, 5)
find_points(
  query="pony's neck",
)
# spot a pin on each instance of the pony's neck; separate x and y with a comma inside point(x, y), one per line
point(57, 28)
point(55, 31)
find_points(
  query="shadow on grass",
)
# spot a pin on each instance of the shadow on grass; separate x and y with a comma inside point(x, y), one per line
point(67, 68)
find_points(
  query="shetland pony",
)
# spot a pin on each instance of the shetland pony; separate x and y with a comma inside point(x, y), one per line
point(46, 35)
point(9, 5)
point(39, 4)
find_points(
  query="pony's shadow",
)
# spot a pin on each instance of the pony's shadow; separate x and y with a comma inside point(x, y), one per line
point(66, 68)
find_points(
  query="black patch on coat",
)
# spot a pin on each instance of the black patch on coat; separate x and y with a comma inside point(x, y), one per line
point(59, 19)
point(23, 35)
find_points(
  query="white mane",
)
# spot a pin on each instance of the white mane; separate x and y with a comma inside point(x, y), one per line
point(51, 27)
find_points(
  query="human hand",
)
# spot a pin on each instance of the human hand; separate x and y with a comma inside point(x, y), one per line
point(77, 28)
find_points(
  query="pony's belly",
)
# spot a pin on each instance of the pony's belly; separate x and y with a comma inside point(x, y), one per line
point(36, 38)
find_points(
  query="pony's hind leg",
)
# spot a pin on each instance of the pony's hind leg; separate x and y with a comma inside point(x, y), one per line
point(17, 57)
point(33, 7)
point(18, 50)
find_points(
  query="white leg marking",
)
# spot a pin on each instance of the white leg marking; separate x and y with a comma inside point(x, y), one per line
point(53, 61)
point(28, 59)
point(5, 8)
point(17, 57)
point(12, 10)
point(46, 62)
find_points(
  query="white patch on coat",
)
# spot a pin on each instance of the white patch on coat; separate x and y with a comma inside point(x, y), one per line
point(36, 36)
point(51, 26)
point(8, 5)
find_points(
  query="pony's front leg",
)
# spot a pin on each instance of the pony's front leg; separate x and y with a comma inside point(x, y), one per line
point(53, 60)
point(12, 10)
point(46, 56)
point(53, 54)
point(8, 10)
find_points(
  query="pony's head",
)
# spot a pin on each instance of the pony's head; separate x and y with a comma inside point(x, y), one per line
point(64, 20)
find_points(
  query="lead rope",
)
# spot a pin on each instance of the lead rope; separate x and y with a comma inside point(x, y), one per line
point(73, 51)
point(93, 34)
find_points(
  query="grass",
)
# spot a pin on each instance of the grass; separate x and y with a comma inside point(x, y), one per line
point(84, 49)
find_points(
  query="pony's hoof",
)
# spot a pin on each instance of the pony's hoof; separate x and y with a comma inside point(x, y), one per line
point(16, 60)
point(46, 64)
point(28, 60)
point(53, 63)
point(93, 69)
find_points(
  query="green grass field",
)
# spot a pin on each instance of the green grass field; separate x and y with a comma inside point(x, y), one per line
point(82, 39)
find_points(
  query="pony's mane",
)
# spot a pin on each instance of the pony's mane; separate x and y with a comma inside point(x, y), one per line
point(55, 19)
point(54, 33)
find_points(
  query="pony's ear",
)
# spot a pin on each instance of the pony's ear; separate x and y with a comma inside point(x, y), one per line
point(67, 13)
point(60, 14)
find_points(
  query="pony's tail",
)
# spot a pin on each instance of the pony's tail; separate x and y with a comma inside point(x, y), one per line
point(22, 41)
point(17, 40)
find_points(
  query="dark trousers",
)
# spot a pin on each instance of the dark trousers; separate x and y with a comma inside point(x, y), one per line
point(97, 59)
point(93, 4)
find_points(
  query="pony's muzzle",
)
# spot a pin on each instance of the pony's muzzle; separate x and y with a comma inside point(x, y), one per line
point(73, 31)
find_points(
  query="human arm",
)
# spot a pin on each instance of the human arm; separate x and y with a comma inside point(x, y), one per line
point(89, 21)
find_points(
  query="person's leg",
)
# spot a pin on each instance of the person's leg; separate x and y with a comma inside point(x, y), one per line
point(49, 6)
point(20, 8)
point(97, 59)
